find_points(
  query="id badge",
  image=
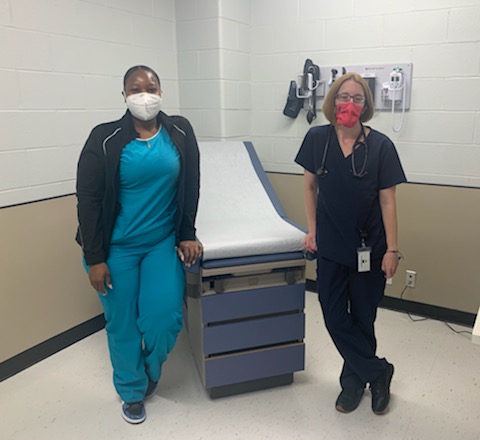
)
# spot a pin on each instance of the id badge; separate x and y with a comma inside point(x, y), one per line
point(363, 258)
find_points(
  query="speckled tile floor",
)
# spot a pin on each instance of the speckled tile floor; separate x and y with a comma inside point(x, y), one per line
point(436, 394)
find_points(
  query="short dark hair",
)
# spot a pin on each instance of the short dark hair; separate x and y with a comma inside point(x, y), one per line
point(329, 102)
point(133, 69)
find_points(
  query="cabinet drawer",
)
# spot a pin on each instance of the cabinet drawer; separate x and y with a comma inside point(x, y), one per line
point(257, 302)
point(255, 364)
point(253, 333)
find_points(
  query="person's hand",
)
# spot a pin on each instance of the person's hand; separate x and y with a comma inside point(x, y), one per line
point(390, 263)
point(310, 242)
point(100, 277)
point(189, 251)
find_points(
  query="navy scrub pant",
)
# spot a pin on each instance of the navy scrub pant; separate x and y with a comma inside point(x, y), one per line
point(143, 311)
point(349, 301)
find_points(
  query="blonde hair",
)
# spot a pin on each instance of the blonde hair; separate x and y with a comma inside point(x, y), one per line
point(328, 107)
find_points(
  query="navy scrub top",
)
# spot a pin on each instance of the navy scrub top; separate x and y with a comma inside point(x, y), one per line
point(347, 204)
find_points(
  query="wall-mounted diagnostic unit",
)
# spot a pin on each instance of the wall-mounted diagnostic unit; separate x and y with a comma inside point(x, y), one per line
point(391, 86)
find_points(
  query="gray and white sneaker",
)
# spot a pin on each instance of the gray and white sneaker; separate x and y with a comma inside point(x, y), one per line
point(133, 412)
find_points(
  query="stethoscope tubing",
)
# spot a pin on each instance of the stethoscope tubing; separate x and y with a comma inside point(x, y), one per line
point(322, 171)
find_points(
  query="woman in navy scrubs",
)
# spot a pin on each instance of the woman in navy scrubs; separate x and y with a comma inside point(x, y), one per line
point(137, 190)
point(351, 171)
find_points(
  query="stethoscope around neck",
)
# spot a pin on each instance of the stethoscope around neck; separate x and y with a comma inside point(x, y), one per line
point(322, 171)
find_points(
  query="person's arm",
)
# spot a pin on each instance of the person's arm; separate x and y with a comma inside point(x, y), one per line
point(90, 190)
point(189, 248)
point(310, 195)
point(388, 206)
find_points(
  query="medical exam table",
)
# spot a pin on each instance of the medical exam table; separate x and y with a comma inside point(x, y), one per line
point(244, 302)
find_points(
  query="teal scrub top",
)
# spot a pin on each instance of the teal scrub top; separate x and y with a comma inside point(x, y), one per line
point(149, 170)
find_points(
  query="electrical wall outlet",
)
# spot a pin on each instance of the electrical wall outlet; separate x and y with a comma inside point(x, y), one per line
point(411, 278)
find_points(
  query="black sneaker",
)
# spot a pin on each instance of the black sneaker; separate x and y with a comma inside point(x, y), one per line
point(152, 387)
point(349, 399)
point(133, 412)
point(381, 391)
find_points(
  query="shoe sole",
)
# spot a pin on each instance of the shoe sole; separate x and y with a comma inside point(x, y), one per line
point(343, 410)
point(133, 421)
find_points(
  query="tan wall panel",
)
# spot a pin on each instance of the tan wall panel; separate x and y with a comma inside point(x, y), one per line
point(438, 236)
point(44, 290)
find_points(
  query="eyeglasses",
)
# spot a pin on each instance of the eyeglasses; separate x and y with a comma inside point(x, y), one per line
point(345, 97)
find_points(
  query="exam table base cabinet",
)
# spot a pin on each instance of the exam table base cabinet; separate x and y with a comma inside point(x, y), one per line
point(246, 330)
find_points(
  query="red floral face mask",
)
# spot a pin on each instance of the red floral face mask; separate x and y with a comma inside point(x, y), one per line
point(348, 114)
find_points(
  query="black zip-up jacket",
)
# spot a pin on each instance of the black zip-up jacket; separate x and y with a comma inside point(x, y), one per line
point(98, 182)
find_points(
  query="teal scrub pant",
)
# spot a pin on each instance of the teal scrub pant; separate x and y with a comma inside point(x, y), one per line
point(143, 313)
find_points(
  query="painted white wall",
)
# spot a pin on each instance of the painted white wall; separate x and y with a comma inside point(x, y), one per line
point(61, 69)
point(214, 67)
point(440, 140)
point(226, 65)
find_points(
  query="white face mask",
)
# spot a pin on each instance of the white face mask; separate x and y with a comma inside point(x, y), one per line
point(144, 106)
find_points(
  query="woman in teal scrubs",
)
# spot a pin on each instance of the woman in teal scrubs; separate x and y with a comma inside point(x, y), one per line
point(137, 191)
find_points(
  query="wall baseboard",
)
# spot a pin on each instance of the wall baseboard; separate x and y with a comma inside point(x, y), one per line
point(41, 351)
point(51, 346)
point(420, 309)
